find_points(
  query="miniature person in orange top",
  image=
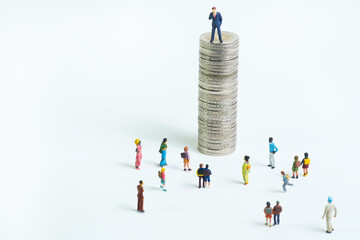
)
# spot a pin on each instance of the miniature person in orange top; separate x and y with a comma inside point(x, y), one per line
point(268, 214)
point(138, 151)
point(140, 195)
point(186, 156)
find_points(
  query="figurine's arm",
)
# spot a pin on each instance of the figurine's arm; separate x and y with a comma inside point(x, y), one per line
point(335, 211)
point(220, 18)
point(324, 212)
point(211, 16)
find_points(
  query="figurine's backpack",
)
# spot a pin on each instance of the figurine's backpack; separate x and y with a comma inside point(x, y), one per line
point(297, 164)
point(287, 177)
point(159, 174)
point(268, 210)
point(307, 161)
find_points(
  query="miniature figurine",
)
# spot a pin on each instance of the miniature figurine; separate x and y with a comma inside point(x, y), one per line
point(273, 149)
point(276, 211)
point(161, 174)
point(246, 169)
point(216, 24)
point(186, 156)
point(207, 173)
point(295, 167)
point(138, 151)
point(329, 209)
point(200, 174)
point(140, 195)
point(163, 149)
point(268, 214)
point(286, 178)
point(305, 164)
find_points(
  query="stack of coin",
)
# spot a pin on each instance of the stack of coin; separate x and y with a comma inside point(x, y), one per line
point(218, 78)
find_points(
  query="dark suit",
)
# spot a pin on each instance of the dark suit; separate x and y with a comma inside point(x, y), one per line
point(140, 196)
point(216, 24)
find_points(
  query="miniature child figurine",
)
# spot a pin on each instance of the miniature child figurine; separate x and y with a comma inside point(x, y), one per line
point(200, 174)
point(246, 169)
point(295, 167)
point(162, 177)
point(273, 149)
point(268, 214)
point(305, 164)
point(186, 156)
point(276, 211)
point(216, 24)
point(286, 180)
point(163, 149)
point(140, 195)
point(138, 153)
point(207, 173)
point(329, 209)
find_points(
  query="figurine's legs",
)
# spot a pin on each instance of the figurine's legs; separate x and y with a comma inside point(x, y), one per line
point(284, 186)
point(219, 33)
point(271, 159)
point(212, 33)
point(329, 226)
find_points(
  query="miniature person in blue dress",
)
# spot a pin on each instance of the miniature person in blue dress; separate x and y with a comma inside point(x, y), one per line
point(163, 149)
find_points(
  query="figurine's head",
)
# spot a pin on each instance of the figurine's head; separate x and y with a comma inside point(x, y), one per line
point(213, 9)
point(270, 139)
point(207, 166)
point(330, 199)
point(306, 155)
point(186, 149)
point(282, 173)
point(296, 158)
point(267, 204)
point(141, 182)
point(201, 165)
point(162, 170)
point(164, 140)
point(137, 141)
point(246, 158)
point(277, 202)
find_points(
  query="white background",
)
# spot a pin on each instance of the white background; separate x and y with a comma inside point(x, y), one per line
point(81, 80)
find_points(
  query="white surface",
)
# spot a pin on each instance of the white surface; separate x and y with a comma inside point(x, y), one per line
point(80, 80)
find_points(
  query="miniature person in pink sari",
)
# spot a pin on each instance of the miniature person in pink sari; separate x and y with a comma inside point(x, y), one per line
point(138, 154)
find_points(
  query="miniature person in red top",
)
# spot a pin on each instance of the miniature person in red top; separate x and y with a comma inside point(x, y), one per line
point(140, 195)
point(276, 211)
point(268, 214)
point(138, 154)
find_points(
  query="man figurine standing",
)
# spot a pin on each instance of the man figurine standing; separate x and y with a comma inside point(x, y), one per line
point(140, 195)
point(216, 24)
point(329, 209)
point(273, 149)
point(276, 211)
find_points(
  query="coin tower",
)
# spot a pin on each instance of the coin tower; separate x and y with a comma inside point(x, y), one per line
point(218, 79)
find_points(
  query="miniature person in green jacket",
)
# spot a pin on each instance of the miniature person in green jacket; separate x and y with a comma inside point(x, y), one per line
point(295, 167)
point(246, 169)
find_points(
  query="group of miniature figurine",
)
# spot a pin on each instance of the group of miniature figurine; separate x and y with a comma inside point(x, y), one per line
point(204, 173)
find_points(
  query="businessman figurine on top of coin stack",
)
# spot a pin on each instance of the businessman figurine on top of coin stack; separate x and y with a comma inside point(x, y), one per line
point(216, 24)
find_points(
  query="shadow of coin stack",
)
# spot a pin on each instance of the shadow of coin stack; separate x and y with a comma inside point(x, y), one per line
point(218, 78)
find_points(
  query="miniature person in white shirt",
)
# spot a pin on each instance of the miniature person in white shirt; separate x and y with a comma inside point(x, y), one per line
point(329, 212)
